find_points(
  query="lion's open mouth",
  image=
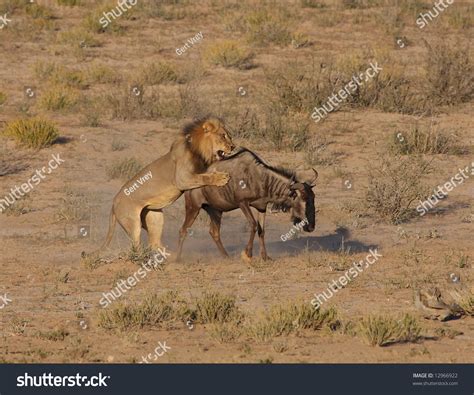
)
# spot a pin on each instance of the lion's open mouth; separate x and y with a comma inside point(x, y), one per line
point(220, 154)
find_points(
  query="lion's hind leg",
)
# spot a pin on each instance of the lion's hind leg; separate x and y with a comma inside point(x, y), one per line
point(129, 220)
point(152, 222)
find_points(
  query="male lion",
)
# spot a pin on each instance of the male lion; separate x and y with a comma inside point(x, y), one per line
point(141, 199)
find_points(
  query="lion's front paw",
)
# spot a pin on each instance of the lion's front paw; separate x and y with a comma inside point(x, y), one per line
point(220, 179)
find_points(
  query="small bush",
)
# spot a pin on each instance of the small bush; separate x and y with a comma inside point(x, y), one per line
point(124, 169)
point(467, 305)
point(103, 74)
point(263, 26)
point(225, 332)
point(118, 145)
point(285, 130)
point(37, 11)
point(69, 3)
point(229, 53)
point(132, 102)
point(153, 311)
point(381, 331)
point(394, 186)
point(57, 98)
point(54, 335)
point(92, 21)
point(312, 4)
point(79, 38)
point(74, 206)
point(32, 133)
point(3, 98)
point(169, 11)
point(421, 141)
point(449, 74)
point(213, 307)
point(282, 320)
point(159, 73)
point(91, 261)
point(44, 70)
point(296, 87)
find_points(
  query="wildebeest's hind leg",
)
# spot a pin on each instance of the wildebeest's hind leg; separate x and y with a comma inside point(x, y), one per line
point(261, 235)
point(247, 253)
point(192, 212)
point(215, 228)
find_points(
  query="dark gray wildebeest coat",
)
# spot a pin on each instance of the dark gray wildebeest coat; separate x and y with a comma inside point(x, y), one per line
point(253, 183)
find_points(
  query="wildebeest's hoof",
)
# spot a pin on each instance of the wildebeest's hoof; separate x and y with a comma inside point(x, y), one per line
point(245, 257)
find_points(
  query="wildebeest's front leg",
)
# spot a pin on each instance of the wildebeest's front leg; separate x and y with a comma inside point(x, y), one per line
point(261, 234)
point(215, 228)
point(247, 253)
point(192, 212)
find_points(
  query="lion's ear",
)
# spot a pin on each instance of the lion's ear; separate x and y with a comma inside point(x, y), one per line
point(208, 126)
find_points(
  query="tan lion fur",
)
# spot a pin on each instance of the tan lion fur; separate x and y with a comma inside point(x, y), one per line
point(181, 169)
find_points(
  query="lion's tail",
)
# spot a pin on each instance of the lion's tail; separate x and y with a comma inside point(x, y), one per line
point(110, 233)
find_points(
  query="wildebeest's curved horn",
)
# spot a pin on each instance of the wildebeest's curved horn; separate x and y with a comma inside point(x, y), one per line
point(308, 176)
point(297, 185)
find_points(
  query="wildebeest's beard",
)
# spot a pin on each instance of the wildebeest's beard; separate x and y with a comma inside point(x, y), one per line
point(307, 195)
point(310, 210)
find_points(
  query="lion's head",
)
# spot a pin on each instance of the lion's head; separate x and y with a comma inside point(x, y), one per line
point(209, 139)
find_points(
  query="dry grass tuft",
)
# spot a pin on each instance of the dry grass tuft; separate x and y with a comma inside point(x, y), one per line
point(153, 311)
point(449, 74)
point(425, 141)
point(58, 98)
point(32, 133)
point(282, 320)
point(381, 330)
point(394, 186)
point(213, 307)
point(124, 169)
point(229, 53)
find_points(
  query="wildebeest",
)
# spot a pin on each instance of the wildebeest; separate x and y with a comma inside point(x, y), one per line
point(253, 183)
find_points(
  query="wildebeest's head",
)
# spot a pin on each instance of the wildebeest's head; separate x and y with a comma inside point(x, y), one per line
point(302, 199)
